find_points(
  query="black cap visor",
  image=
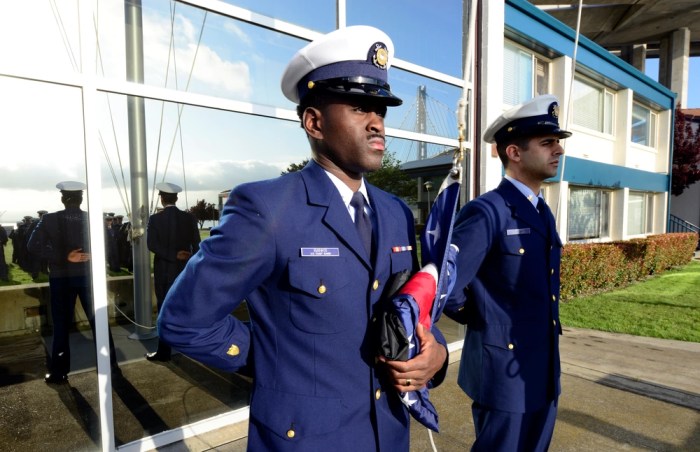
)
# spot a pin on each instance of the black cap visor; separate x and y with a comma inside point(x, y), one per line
point(359, 86)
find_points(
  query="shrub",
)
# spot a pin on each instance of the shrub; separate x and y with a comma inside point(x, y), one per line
point(599, 267)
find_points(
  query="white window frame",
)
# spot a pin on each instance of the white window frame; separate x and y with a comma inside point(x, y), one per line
point(646, 216)
point(651, 136)
point(602, 210)
point(606, 107)
point(539, 73)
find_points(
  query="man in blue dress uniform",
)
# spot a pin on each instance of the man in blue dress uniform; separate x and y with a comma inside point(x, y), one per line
point(507, 289)
point(311, 253)
point(173, 237)
point(62, 239)
point(4, 272)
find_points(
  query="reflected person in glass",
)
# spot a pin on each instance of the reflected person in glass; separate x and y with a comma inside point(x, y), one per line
point(62, 239)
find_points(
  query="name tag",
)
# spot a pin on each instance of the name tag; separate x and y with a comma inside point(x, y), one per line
point(320, 252)
point(517, 231)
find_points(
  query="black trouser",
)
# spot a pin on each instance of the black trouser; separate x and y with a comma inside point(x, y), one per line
point(64, 290)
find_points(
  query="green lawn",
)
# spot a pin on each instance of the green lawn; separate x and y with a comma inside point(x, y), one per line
point(665, 306)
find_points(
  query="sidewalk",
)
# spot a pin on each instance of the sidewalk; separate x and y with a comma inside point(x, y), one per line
point(620, 393)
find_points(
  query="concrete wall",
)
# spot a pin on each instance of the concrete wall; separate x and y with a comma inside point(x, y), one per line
point(26, 309)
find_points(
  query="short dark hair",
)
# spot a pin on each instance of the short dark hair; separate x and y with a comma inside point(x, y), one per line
point(314, 99)
point(168, 198)
point(72, 198)
point(523, 142)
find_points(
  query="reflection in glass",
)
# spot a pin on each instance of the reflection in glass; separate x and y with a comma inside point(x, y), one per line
point(433, 45)
point(429, 106)
point(409, 150)
point(298, 12)
point(206, 152)
point(57, 46)
point(43, 144)
point(189, 49)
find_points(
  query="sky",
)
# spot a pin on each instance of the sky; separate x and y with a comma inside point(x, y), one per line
point(652, 70)
point(211, 150)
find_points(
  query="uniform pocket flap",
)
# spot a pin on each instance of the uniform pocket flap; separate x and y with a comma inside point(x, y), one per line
point(318, 277)
point(514, 337)
point(294, 416)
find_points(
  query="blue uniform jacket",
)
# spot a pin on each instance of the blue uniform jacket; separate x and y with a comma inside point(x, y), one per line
point(56, 235)
point(169, 231)
point(507, 293)
point(290, 249)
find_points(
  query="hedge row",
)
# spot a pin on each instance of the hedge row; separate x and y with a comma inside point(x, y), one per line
point(598, 267)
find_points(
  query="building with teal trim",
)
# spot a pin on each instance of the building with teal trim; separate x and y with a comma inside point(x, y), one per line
point(614, 181)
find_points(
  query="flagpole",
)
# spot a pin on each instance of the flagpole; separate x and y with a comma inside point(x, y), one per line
point(465, 135)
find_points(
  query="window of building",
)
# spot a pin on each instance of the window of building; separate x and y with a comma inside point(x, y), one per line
point(589, 213)
point(643, 125)
point(593, 106)
point(525, 75)
point(640, 213)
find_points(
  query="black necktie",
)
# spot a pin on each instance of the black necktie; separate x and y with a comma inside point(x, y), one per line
point(362, 222)
point(544, 214)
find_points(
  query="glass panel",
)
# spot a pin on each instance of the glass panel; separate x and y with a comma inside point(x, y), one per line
point(640, 124)
point(517, 75)
point(214, 55)
point(542, 74)
point(636, 219)
point(609, 112)
point(210, 152)
point(57, 45)
point(295, 11)
point(43, 145)
point(408, 150)
point(588, 106)
point(584, 213)
point(428, 106)
point(433, 46)
point(605, 214)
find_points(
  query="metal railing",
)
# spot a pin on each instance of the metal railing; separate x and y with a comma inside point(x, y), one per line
point(676, 224)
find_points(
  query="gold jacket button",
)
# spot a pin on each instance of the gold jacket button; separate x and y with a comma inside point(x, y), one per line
point(290, 433)
point(521, 251)
point(554, 298)
point(375, 284)
point(378, 394)
point(551, 272)
point(554, 322)
point(511, 346)
point(233, 350)
point(321, 289)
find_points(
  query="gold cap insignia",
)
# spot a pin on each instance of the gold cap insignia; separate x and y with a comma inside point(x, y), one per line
point(554, 110)
point(380, 55)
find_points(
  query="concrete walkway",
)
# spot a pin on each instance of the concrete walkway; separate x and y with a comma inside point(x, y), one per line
point(620, 393)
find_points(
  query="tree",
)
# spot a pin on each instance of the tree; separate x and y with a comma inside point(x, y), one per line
point(392, 179)
point(389, 177)
point(294, 167)
point(686, 154)
point(204, 211)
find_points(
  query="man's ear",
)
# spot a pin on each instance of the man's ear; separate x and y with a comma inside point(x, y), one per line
point(513, 152)
point(312, 121)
